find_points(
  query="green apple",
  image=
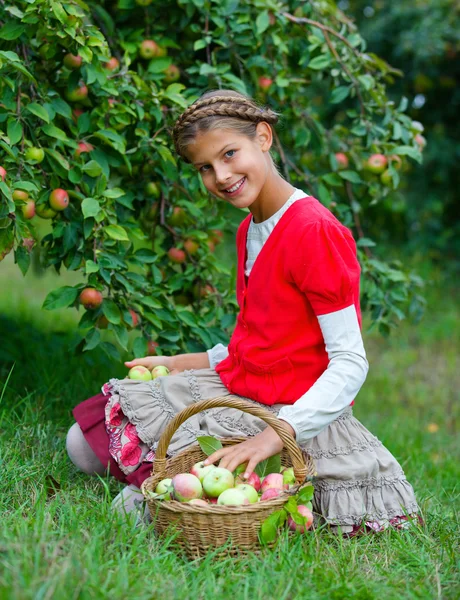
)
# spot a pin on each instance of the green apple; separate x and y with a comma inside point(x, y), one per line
point(232, 497)
point(164, 487)
point(45, 211)
point(217, 481)
point(159, 371)
point(249, 491)
point(140, 373)
point(34, 155)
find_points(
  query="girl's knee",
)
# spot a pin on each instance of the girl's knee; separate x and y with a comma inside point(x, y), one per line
point(81, 453)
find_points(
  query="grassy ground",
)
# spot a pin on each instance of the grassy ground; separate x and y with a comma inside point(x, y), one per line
point(58, 538)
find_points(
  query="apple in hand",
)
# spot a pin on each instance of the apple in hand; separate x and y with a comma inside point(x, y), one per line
point(250, 493)
point(232, 497)
point(186, 487)
point(217, 481)
point(272, 480)
point(305, 512)
point(160, 371)
point(199, 469)
point(140, 373)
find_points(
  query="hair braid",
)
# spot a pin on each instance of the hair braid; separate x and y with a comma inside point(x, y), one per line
point(232, 105)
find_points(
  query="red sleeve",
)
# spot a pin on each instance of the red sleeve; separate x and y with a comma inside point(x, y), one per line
point(326, 267)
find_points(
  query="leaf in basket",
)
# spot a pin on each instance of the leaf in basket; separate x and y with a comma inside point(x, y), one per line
point(209, 444)
point(291, 507)
point(269, 465)
point(305, 494)
point(269, 528)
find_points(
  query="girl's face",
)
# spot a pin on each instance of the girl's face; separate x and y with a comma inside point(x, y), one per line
point(232, 166)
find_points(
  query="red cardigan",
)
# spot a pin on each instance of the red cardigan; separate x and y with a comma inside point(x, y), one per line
point(306, 268)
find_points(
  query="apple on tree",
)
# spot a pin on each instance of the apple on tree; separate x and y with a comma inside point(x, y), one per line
point(59, 199)
point(83, 147)
point(78, 94)
point(148, 49)
point(91, 298)
point(20, 195)
point(376, 163)
point(172, 74)
point(177, 255)
point(152, 347)
point(2, 174)
point(265, 82)
point(28, 210)
point(45, 211)
point(34, 155)
point(71, 61)
point(112, 64)
point(342, 160)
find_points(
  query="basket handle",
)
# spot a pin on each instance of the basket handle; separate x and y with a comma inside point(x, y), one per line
point(159, 463)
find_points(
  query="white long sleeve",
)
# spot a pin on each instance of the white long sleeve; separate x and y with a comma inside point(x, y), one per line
point(341, 381)
point(216, 354)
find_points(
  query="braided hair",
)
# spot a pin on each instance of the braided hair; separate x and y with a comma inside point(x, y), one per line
point(220, 109)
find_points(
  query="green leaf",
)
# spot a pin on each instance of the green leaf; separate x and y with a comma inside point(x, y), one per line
point(114, 193)
point(86, 54)
point(147, 256)
point(90, 207)
point(269, 529)
point(116, 232)
point(92, 338)
point(351, 176)
point(151, 302)
point(39, 111)
point(262, 22)
point(209, 444)
point(319, 62)
point(269, 465)
point(60, 298)
point(140, 347)
point(11, 31)
point(365, 242)
point(305, 494)
point(91, 267)
point(340, 93)
point(14, 131)
point(187, 317)
point(55, 132)
point(111, 311)
point(367, 80)
point(59, 12)
point(92, 168)
point(122, 336)
point(22, 259)
point(110, 350)
point(408, 151)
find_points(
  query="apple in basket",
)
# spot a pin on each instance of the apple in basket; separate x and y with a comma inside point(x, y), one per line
point(140, 373)
point(253, 480)
point(307, 514)
point(185, 487)
point(199, 469)
point(270, 494)
point(164, 487)
point(272, 480)
point(217, 481)
point(198, 502)
point(232, 497)
point(249, 491)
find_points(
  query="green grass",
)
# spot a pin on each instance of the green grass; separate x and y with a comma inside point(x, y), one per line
point(58, 538)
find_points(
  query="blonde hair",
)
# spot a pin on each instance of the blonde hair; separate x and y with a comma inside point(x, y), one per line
point(219, 109)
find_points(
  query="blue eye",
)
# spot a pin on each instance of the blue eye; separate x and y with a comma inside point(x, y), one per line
point(228, 151)
point(204, 170)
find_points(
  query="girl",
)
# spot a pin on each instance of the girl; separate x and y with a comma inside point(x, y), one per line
point(296, 348)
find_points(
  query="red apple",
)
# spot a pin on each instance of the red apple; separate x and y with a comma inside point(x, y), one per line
point(253, 480)
point(28, 210)
point(59, 199)
point(305, 512)
point(217, 236)
point(342, 160)
point(152, 348)
point(72, 62)
point(396, 161)
point(421, 141)
point(20, 195)
point(134, 317)
point(265, 82)
point(2, 174)
point(191, 246)
point(270, 494)
point(376, 163)
point(177, 255)
point(112, 64)
point(91, 298)
point(186, 487)
point(172, 74)
point(272, 480)
point(148, 49)
point(83, 147)
point(76, 112)
point(211, 245)
point(78, 94)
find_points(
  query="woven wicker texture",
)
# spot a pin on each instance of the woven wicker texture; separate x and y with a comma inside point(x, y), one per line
point(200, 529)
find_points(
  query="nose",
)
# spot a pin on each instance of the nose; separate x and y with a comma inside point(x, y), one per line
point(222, 176)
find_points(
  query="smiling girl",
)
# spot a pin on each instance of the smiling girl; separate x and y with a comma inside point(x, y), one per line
point(296, 347)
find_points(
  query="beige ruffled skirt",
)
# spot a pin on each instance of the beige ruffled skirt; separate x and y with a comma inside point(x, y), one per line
point(359, 482)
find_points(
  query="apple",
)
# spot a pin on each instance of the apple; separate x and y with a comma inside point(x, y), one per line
point(152, 347)
point(265, 82)
point(177, 255)
point(164, 487)
point(28, 210)
point(232, 497)
point(199, 469)
point(20, 195)
point(72, 62)
point(272, 480)
point(44, 211)
point(177, 219)
point(253, 480)
point(34, 155)
point(396, 161)
point(202, 291)
point(288, 477)
point(250, 493)
point(211, 245)
point(186, 487)
point(217, 236)
point(417, 127)
point(212, 500)
point(78, 94)
point(191, 246)
point(160, 371)
point(342, 160)
point(59, 199)
point(76, 112)
point(91, 298)
point(140, 373)
point(199, 502)
point(112, 64)
point(305, 512)
point(386, 178)
point(152, 189)
point(134, 317)
point(2, 174)
point(270, 494)
point(421, 141)
point(217, 481)
point(83, 147)
point(376, 163)
point(148, 49)
point(172, 74)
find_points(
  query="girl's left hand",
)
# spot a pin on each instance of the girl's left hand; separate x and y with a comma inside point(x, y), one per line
point(253, 450)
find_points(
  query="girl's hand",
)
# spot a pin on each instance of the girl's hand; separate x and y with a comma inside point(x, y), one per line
point(154, 361)
point(253, 451)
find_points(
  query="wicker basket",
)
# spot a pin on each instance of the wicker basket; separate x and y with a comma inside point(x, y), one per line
point(200, 529)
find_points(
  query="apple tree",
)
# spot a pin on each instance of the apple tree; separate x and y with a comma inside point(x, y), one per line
point(89, 93)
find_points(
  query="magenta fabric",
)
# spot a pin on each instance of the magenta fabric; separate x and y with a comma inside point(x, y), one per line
point(90, 415)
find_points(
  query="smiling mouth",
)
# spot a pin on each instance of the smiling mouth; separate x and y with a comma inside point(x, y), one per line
point(236, 186)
